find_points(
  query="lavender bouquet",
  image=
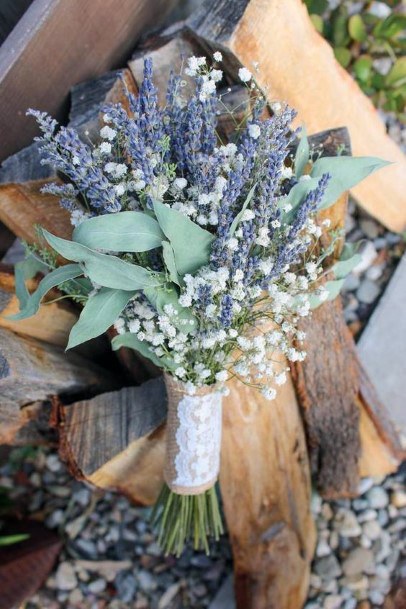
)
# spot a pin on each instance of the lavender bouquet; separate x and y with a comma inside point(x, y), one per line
point(203, 254)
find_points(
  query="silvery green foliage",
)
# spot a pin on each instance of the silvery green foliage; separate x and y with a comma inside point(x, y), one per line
point(202, 253)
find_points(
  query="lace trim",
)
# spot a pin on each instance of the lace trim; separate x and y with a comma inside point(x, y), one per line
point(198, 437)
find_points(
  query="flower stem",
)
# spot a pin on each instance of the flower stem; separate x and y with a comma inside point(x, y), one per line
point(180, 518)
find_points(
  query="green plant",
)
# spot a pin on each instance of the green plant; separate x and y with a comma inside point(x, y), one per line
point(5, 505)
point(360, 40)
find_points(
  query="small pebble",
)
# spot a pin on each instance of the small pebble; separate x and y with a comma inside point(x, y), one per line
point(377, 497)
point(368, 291)
point(65, 576)
point(97, 586)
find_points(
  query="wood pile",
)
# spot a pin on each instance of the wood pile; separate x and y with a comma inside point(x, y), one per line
point(326, 423)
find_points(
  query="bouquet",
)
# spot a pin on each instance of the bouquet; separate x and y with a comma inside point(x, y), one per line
point(203, 254)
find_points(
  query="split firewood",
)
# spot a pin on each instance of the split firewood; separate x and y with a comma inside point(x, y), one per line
point(23, 207)
point(88, 97)
point(298, 66)
point(265, 486)
point(32, 371)
point(32, 428)
point(342, 426)
point(116, 440)
point(51, 324)
point(98, 36)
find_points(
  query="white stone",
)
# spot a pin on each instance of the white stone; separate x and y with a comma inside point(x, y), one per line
point(368, 255)
point(333, 601)
point(65, 576)
point(323, 549)
point(347, 525)
point(372, 529)
point(358, 561)
point(398, 499)
point(97, 586)
point(377, 497)
point(368, 291)
point(367, 515)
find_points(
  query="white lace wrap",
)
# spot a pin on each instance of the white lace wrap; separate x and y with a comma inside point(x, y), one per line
point(193, 439)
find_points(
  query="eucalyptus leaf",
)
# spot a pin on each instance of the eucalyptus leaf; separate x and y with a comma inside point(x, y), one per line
point(168, 295)
point(56, 277)
point(296, 196)
point(170, 263)
point(344, 266)
point(99, 313)
point(302, 154)
point(191, 244)
point(333, 287)
point(132, 342)
point(23, 270)
point(125, 231)
point(345, 173)
point(105, 270)
point(238, 217)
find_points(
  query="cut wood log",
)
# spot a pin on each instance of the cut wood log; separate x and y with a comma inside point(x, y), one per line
point(265, 486)
point(327, 385)
point(298, 66)
point(87, 98)
point(116, 440)
point(33, 427)
point(51, 324)
point(23, 207)
point(31, 371)
point(75, 41)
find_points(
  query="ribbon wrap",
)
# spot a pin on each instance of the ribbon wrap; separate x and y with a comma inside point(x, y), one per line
point(193, 438)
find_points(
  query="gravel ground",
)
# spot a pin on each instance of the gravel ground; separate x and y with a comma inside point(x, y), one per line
point(110, 557)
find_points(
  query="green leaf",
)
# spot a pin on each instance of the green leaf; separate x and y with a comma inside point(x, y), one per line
point(317, 22)
point(170, 263)
point(339, 32)
point(105, 270)
point(348, 261)
point(191, 244)
point(316, 7)
point(343, 56)
point(363, 68)
point(357, 29)
point(56, 277)
point(168, 295)
point(99, 313)
point(8, 540)
point(125, 231)
point(296, 196)
point(397, 74)
point(333, 287)
point(132, 342)
point(238, 217)
point(390, 27)
point(345, 173)
point(302, 154)
point(26, 269)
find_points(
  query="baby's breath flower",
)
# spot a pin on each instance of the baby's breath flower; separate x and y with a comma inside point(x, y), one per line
point(244, 75)
point(108, 133)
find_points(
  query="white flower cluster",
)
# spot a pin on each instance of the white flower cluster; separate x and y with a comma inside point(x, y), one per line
point(245, 320)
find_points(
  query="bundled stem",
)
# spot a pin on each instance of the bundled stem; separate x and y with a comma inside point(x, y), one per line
point(182, 518)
